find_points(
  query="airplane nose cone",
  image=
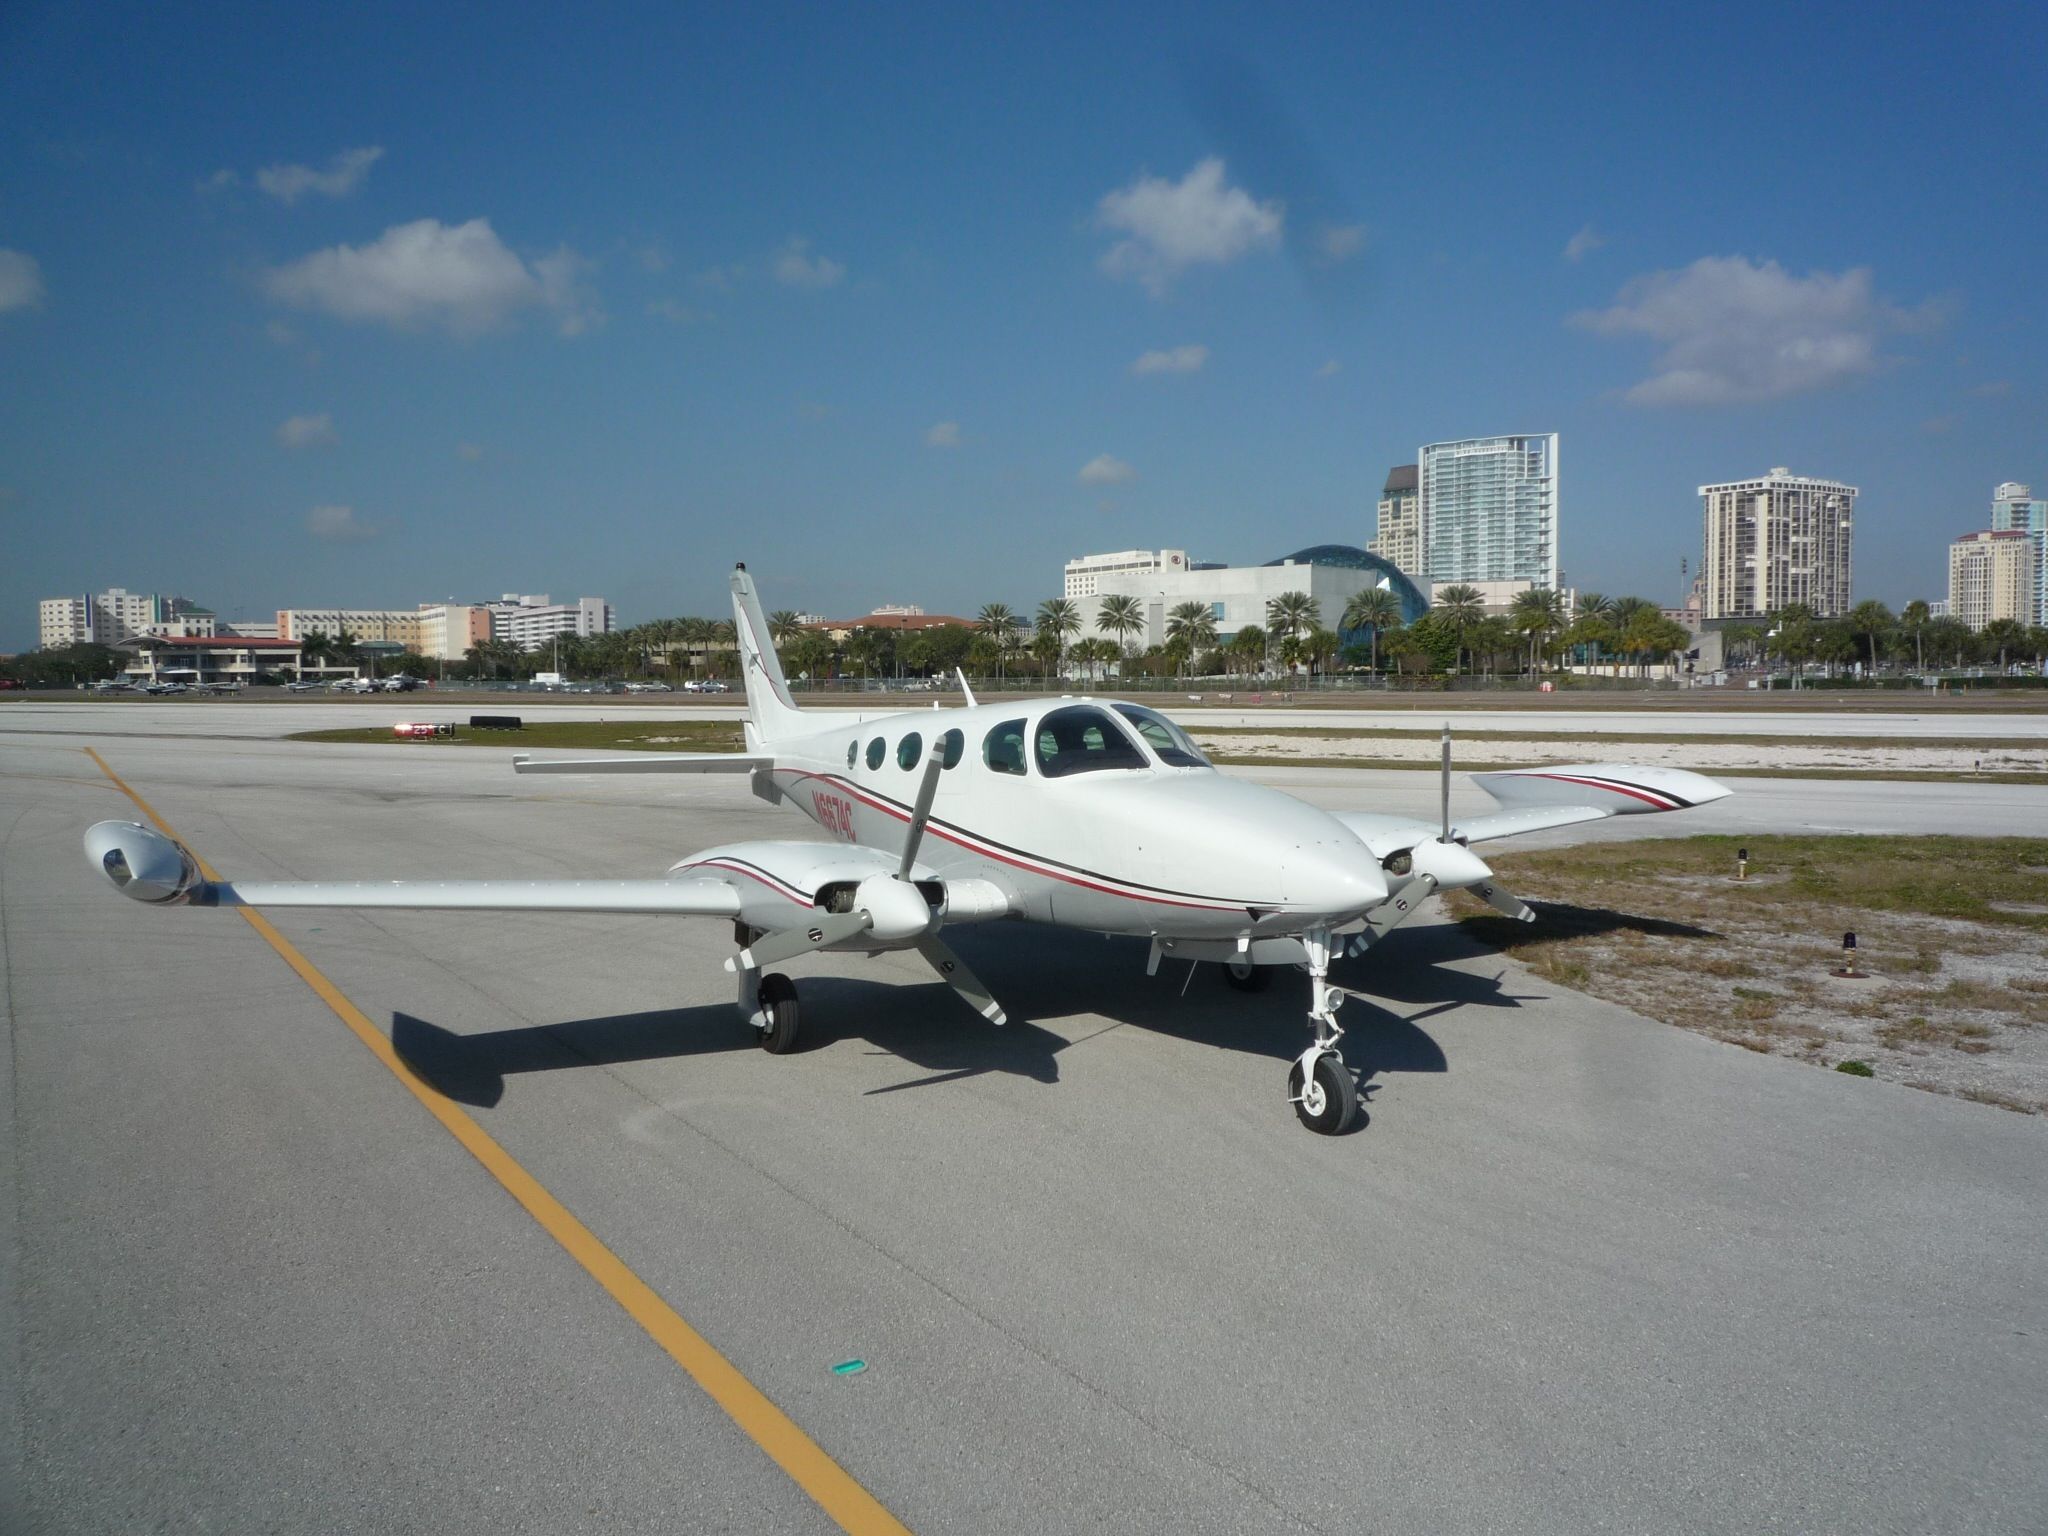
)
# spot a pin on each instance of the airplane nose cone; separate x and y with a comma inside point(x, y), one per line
point(1339, 882)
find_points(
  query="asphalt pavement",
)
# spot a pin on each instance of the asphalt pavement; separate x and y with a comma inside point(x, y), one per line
point(1576, 1271)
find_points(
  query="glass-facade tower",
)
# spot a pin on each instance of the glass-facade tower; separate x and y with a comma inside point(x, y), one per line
point(1489, 509)
point(2016, 509)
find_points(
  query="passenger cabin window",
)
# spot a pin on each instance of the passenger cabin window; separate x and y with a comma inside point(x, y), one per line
point(876, 750)
point(909, 750)
point(1083, 739)
point(1003, 747)
point(852, 753)
point(1174, 746)
point(950, 746)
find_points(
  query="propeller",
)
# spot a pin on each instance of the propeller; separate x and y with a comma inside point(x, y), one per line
point(1445, 835)
point(891, 907)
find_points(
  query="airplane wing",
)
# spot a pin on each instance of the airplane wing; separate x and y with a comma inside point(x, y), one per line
point(647, 762)
point(1538, 799)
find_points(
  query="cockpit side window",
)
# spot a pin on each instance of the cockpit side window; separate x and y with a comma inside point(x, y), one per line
point(1003, 747)
point(1083, 739)
point(1175, 747)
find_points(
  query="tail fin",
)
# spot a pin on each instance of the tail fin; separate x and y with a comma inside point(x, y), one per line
point(771, 713)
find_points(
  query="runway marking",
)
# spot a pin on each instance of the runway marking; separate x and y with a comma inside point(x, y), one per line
point(829, 1485)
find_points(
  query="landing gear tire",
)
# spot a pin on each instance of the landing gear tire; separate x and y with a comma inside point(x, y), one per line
point(1329, 1102)
point(778, 1003)
point(1246, 977)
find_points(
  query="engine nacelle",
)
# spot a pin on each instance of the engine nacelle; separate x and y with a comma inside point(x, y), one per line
point(143, 864)
point(896, 909)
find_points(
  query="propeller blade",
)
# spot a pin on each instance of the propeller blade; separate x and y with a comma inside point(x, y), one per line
point(954, 972)
point(786, 944)
point(1445, 835)
point(1504, 902)
point(920, 814)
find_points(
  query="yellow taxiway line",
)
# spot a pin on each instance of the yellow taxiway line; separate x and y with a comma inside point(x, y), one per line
point(829, 1484)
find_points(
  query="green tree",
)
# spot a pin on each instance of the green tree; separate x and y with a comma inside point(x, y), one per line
point(1288, 617)
point(1462, 609)
point(1375, 609)
point(784, 626)
point(2003, 636)
point(1189, 627)
point(1870, 621)
point(1248, 648)
point(1913, 620)
point(1121, 615)
point(1061, 616)
point(1537, 613)
point(999, 624)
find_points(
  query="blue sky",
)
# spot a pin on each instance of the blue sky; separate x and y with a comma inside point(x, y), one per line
point(350, 306)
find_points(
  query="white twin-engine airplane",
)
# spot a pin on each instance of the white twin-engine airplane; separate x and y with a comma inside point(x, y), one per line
point(1091, 814)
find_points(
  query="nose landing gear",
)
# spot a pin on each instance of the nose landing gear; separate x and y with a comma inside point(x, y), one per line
point(1319, 1085)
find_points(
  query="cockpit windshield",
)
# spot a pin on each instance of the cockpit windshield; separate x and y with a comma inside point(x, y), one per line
point(1175, 747)
point(1082, 739)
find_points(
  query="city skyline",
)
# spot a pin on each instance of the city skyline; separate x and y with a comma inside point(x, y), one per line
point(915, 308)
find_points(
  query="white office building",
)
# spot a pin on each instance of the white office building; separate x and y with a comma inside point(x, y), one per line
point(1990, 577)
point(2016, 509)
point(109, 617)
point(530, 621)
point(1777, 539)
point(1488, 510)
point(1086, 575)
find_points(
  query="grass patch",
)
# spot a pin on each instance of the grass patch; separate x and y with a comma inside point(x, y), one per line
point(1855, 1068)
point(587, 735)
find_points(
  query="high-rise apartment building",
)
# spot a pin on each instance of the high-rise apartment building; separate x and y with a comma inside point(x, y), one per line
point(1782, 538)
point(1990, 576)
point(1086, 573)
point(1489, 510)
point(2016, 509)
point(1398, 537)
point(109, 617)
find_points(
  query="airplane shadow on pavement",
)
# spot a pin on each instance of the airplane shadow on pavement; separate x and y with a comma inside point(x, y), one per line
point(1037, 974)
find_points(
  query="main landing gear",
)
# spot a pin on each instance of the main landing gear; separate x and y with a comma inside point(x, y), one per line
point(1319, 1086)
point(767, 1002)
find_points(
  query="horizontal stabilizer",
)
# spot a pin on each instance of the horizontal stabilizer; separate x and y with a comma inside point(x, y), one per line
point(647, 762)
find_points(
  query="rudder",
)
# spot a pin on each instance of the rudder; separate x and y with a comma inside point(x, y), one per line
point(771, 712)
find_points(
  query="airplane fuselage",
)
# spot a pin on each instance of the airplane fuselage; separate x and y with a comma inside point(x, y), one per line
point(1090, 813)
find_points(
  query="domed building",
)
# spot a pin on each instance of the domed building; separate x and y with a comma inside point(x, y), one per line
point(1346, 557)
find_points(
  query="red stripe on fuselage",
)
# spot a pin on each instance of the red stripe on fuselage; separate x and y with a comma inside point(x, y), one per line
point(979, 846)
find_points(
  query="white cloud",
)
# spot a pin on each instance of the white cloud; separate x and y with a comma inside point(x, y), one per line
point(428, 273)
point(220, 181)
point(943, 434)
point(338, 524)
point(289, 183)
point(794, 268)
point(1171, 226)
point(1329, 370)
point(21, 281)
point(1340, 242)
point(308, 432)
point(1104, 470)
point(1734, 331)
point(469, 453)
point(1583, 244)
point(1187, 359)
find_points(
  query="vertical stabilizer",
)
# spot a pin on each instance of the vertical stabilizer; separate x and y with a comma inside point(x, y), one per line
point(771, 713)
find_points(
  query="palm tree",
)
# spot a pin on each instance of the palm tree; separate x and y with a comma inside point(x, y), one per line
point(1123, 616)
point(998, 622)
point(1248, 645)
point(1190, 626)
point(1375, 609)
point(1869, 619)
point(1060, 617)
point(1462, 609)
point(1536, 613)
point(1915, 619)
point(315, 646)
point(784, 625)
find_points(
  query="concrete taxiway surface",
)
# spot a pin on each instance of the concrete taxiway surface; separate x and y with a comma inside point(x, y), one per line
point(1578, 1271)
